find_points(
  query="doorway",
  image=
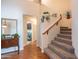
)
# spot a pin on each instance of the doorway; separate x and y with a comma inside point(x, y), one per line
point(29, 29)
point(29, 32)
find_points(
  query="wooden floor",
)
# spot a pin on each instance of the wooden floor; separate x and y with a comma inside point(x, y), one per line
point(29, 52)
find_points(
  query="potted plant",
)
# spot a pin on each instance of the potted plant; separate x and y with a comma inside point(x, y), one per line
point(2, 36)
point(16, 35)
point(68, 15)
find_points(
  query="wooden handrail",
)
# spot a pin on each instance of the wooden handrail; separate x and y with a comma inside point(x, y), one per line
point(56, 22)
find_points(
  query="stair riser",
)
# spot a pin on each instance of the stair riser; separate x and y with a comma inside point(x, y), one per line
point(65, 32)
point(63, 27)
point(58, 53)
point(63, 47)
point(63, 41)
point(66, 37)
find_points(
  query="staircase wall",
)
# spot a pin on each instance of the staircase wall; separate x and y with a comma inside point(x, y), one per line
point(58, 7)
point(66, 22)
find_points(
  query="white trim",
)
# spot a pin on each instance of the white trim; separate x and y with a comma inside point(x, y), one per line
point(42, 50)
point(11, 49)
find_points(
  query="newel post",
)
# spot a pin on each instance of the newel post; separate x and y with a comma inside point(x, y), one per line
point(42, 44)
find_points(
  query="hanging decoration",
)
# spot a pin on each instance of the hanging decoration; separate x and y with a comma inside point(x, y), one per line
point(68, 14)
point(46, 16)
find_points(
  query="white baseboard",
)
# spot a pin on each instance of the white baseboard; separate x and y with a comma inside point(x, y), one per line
point(11, 49)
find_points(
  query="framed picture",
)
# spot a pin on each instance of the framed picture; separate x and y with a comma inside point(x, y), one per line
point(29, 26)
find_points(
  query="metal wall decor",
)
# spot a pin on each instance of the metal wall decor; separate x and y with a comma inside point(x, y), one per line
point(46, 16)
point(67, 14)
point(54, 15)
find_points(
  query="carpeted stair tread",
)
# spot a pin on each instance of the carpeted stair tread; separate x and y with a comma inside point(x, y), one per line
point(65, 29)
point(63, 40)
point(66, 47)
point(61, 47)
point(60, 52)
point(66, 36)
point(65, 32)
point(51, 54)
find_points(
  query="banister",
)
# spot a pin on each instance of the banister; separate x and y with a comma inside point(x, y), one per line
point(56, 22)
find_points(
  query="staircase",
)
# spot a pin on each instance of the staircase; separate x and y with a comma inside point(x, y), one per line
point(61, 47)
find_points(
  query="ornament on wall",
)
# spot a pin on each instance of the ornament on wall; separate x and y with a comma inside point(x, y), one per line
point(54, 15)
point(46, 16)
point(42, 18)
point(68, 15)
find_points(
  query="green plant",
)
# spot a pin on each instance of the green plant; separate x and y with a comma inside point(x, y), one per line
point(46, 13)
point(68, 15)
point(16, 35)
point(2, 36)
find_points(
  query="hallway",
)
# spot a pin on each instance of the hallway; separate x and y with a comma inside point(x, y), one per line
point(29, 52)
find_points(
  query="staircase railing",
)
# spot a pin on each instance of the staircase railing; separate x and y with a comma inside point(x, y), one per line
point(53, 24)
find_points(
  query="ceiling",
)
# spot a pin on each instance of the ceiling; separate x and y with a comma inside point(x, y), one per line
point(37, 1)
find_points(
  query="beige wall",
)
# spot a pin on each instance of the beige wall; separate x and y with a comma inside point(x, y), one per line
point(66, 22)
point(59, 7)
